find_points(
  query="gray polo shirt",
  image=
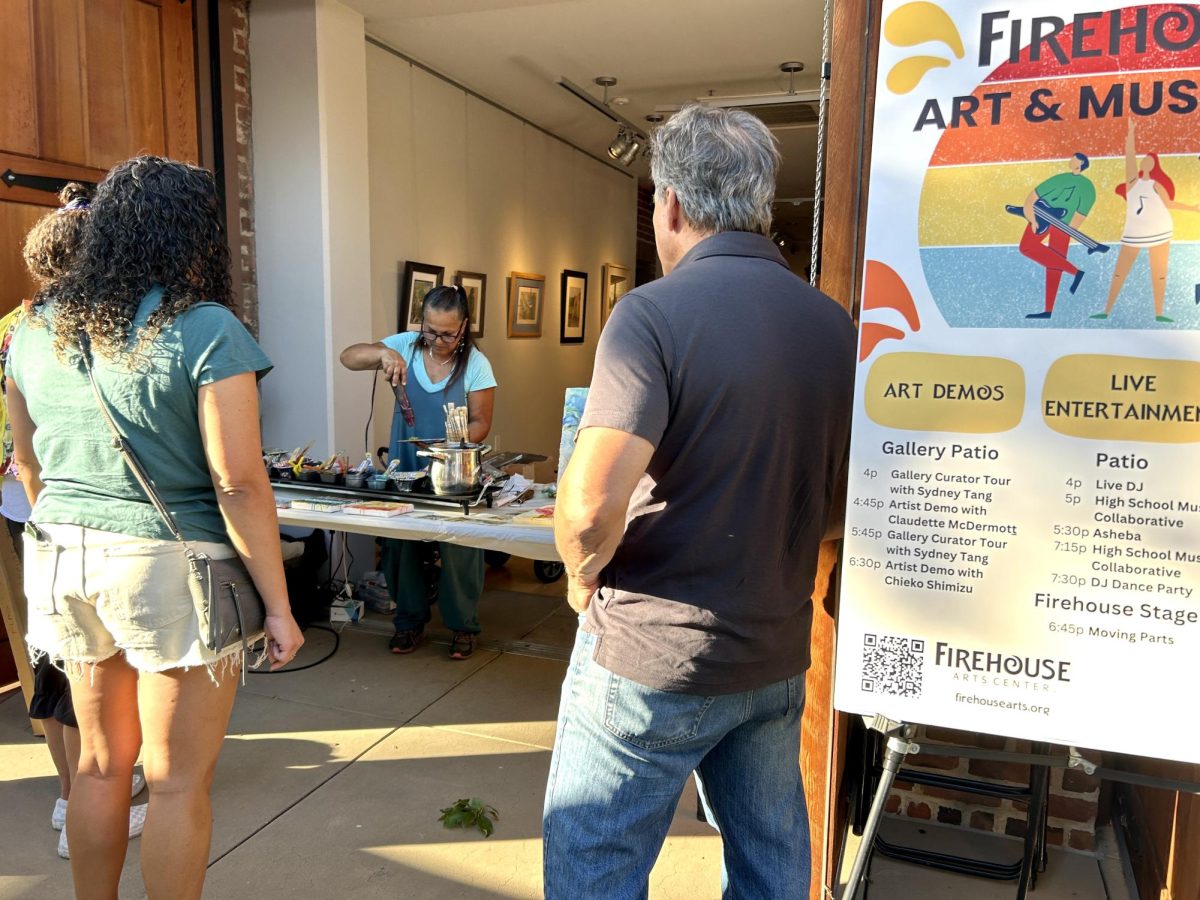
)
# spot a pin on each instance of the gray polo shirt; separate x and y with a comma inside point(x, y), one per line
point(740, 374)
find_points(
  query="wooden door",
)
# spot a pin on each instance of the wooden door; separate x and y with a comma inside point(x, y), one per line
point(84, 84)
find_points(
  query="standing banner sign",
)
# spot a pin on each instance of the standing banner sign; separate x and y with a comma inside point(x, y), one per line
point(1022, 552)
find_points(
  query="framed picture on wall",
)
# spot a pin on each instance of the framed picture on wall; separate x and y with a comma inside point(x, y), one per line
point(475, 284)
point(574, 307)
point(525, 305)
point(616, 283)
point(419, 280)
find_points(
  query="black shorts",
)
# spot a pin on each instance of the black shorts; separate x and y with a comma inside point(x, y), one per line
point(51, 689)
point(51, 694)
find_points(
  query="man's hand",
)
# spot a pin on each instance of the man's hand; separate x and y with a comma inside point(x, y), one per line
point(580, 592)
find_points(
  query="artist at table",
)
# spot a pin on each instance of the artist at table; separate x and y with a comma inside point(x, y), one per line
point(439, 364)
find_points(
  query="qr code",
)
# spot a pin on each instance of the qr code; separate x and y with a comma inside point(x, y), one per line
point(892, 665)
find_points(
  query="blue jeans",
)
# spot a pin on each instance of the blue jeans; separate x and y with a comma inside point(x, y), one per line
point(622, 755)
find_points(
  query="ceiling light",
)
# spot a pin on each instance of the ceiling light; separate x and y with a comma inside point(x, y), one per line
point(619, 144)
point(629, 131)
point(631, 154)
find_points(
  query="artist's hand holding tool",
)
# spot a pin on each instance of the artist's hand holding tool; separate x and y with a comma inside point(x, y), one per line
point(393, 366)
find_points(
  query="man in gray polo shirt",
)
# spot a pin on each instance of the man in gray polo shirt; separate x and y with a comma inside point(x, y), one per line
point(689, 520)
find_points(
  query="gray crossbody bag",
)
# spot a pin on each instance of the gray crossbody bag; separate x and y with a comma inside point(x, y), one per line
point(227, 602)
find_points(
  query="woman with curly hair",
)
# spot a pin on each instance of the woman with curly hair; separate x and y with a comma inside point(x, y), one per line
point(146, 299)
point(49, 248)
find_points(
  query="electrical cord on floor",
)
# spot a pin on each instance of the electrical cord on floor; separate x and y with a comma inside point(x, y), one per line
point(337, 642)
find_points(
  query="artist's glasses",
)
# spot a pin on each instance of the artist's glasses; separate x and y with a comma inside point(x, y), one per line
point(441, 337)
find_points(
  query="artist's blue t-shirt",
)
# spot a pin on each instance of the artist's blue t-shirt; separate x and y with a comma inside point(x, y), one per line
point(477, 377)
point(152, 395)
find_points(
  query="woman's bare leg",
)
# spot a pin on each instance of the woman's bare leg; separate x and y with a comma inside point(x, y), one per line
point(56, 744)
point(105, 699)
point(184, 717)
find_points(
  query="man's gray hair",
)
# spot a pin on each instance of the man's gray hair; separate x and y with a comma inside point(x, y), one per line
point(722, 164)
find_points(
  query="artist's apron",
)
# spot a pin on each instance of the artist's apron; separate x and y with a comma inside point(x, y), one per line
point(429, 411)
point(461, 581)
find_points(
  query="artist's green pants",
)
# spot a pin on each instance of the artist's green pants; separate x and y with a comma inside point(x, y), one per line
point(459, 586)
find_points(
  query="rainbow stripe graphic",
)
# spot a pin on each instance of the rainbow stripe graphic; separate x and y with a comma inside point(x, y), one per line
point(969, 253)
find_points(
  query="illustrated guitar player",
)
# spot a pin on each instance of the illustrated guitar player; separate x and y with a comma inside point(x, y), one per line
point(1054, 210)
point(1052, 217)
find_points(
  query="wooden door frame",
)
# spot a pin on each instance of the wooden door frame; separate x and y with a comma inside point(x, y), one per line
point(213, 28)
point(854, 61)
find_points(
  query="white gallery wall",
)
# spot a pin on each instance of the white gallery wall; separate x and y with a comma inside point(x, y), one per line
point(312, 218)
point(457, 182)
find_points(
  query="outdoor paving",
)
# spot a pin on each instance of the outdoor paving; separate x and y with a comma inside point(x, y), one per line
point(331, 780)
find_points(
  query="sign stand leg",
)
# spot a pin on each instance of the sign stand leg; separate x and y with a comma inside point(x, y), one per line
point(899, 745)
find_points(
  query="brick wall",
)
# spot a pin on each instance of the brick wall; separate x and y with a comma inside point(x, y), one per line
point(243, 250)
point(1074, 796)
point(647, 255)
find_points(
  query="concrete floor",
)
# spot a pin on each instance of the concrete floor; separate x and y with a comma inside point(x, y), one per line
point(331, 780)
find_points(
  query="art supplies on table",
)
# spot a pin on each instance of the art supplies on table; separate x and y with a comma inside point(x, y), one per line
point(380, 508)
point(542, 516)
point(319, 505)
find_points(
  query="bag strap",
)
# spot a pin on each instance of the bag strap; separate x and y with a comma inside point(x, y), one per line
point(122, 446)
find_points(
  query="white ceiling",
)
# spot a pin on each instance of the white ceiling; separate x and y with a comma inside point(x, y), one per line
point(663, 53)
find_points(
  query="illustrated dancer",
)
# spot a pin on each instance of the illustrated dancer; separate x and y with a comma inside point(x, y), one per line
point(1074, 194)
point(1149, 196)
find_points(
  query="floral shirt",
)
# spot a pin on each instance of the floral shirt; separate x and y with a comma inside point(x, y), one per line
point(7, 325)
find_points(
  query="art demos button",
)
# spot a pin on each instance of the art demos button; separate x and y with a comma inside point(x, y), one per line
point(940, 392)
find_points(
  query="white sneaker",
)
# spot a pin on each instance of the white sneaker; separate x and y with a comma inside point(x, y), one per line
point(58, 818)
point(137, 819)
point(137, 824)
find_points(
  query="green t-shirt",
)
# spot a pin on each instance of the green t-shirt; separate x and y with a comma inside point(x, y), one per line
point(1074, 193)
point(152, 397)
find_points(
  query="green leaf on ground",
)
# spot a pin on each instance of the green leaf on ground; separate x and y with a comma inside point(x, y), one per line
point(470, 812)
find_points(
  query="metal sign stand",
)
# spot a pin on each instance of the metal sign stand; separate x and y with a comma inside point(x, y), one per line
point(899, 744)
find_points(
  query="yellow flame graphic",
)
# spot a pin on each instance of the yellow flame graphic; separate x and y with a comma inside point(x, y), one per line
point(907, 73)
point(918, 23)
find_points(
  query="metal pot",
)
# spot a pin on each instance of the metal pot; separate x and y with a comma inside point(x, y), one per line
point(455, 467)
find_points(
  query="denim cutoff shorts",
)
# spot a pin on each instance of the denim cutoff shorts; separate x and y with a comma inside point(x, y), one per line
point(93, 594)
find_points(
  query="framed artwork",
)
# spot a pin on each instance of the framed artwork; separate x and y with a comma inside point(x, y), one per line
point(419, 280)
point(574, 307)
point(616, 283)
point(525, 304)
point(475, 284)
